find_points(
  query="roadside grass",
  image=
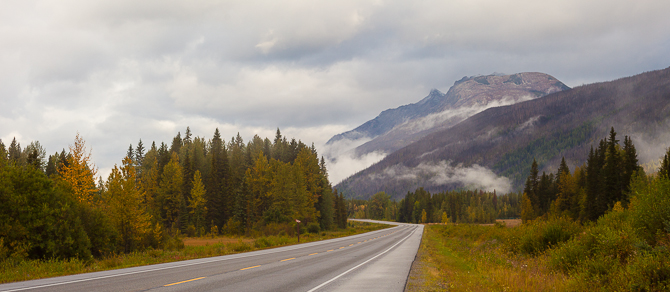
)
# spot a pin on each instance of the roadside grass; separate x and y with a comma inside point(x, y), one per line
point(22, 270)
point(476, 258)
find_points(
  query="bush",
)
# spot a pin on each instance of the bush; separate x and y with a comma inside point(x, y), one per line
point(648, 272)
point(313, 228)
point(650, 207)
point(601, 250)
point(538, 236)
point(190, 231)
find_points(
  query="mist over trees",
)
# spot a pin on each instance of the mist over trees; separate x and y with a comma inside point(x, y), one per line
point(53, 207)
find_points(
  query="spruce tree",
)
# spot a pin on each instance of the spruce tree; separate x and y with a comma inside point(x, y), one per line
point(532, 185)
point(562, 169)
point(176, 144)
point(14, 151)
point(590, 209)
point(612, 192)
point(131, 154)
point(139, 154)
point(3, 154)
point(630, 165)
point(664, 170)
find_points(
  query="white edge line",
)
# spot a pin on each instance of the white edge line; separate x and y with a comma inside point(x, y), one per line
point(363, 263)
point(219, 258)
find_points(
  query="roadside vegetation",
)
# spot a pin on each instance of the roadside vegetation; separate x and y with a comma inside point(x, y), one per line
point(57, 216)
point(181, 249)
point(604, 227)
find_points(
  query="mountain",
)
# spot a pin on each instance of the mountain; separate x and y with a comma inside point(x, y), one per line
point(398, 127)
point(494, 148)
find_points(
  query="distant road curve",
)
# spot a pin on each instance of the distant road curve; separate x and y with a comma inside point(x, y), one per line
point(374, 261)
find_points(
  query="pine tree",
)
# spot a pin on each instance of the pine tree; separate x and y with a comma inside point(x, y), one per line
point(139, 156)
point(630, 165)
point(532, 186)
point(176, 144)
point(664, 170)
point(14, 152)
point(170, 197)
point(562, 168)
point(187, 136)
point(590, 208)
point(218, 199)
point(612, 191)
point(131, 154)
point(3, 154)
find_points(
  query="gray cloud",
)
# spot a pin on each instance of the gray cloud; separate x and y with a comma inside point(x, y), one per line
point(443, 173)
point(118, 71)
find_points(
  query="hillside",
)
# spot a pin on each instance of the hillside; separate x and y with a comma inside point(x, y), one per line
point(399, 127)
point(494, 148)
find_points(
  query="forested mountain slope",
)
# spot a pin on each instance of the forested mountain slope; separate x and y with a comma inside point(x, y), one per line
point(396, 128)
point(504, 140)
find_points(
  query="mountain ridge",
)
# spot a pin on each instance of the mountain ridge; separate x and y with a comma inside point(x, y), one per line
point(505, 139)
point(395, 128)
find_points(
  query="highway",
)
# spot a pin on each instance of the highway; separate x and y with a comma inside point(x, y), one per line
point(373, 261)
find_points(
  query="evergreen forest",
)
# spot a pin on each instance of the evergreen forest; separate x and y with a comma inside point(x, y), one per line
point(52, 207)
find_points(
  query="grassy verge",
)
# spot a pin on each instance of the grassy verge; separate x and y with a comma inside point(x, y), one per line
point(12, 271)
point(474, 258)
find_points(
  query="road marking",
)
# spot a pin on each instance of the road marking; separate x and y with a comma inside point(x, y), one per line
point(363, 263)
point(341, 247)
point(330, 250)
point(177, 265)
point(313, 253)
point(250, 268)
point(351, 244)
point(287, 259)
point(358, 242)
point(183, 282)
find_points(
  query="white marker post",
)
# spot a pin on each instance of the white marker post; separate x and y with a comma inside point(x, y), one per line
point(298, 221)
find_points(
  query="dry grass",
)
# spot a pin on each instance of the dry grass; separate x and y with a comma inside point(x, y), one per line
point(206, 241)
point(509, 223)
point(473, 258)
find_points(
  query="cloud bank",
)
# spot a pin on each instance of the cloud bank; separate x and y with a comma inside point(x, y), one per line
point(120, 71)
point(443, 173)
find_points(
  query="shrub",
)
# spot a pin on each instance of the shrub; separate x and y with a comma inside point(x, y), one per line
point(650, 206)
point(648, 272)
point(601, 250)
point(313, 228)
point(538, 236)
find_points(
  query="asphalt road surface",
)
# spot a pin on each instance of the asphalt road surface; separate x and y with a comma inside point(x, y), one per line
point(373, 261)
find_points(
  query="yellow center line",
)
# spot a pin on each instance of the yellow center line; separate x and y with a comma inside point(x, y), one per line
point(313, 253)
point(250, 268)
point(341, 247)
point(358, 242)
point(183, 282)
point(351, 244)
point(287, 259)
point(329, 250)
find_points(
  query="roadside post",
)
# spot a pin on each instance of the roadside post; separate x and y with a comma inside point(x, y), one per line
point(298, 221)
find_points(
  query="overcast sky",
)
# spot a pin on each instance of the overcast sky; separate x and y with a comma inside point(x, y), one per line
point(119, 71)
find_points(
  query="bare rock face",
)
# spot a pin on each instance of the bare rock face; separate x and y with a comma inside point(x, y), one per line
point(397, 128)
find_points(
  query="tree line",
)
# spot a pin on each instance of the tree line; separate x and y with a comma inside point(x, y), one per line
point(591, 189)
point(53, 207)
point(457, 206)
